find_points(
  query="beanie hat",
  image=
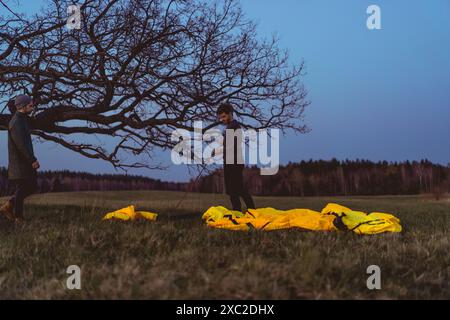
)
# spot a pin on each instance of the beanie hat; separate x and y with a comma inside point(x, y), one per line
point(22, 100)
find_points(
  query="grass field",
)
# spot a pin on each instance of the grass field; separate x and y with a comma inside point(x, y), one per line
point(177, 257)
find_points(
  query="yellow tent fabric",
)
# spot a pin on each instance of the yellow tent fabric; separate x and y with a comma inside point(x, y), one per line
point(362, 223)
point(332, 217)
point(129, 214)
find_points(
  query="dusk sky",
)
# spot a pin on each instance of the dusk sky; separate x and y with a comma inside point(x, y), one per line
point(376, 94)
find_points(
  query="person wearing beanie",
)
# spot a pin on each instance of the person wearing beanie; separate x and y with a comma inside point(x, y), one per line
point(22, 164)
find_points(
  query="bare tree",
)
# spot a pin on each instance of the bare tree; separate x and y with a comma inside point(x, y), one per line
point(137, 69)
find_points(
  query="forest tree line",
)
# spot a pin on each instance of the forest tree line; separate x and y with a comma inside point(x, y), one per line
point(306, 178)
point(340, 178)
point(66, 181)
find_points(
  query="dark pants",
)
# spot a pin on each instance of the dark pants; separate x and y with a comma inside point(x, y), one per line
point(235, 188)
point(24, 188)
point(236, 201)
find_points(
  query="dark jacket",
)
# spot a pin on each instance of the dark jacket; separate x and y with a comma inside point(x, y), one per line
point(235, 149)
point(233, 173)
point(20, 148)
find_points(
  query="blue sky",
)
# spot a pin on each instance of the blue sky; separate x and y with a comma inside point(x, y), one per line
point(376, 94)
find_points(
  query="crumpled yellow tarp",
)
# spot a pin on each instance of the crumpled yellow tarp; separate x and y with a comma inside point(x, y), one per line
point(129, 214)
point(332, 217)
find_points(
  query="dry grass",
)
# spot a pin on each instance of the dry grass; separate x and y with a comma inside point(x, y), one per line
point(177, 257)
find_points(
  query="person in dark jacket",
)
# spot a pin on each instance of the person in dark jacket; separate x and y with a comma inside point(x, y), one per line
point(22, 164)
point(233, 170)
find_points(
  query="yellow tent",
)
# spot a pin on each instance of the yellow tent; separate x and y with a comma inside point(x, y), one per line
point(129, 214)
point(332, 217)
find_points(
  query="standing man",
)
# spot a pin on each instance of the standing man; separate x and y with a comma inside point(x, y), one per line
point(233, 172)
point(22, 162)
